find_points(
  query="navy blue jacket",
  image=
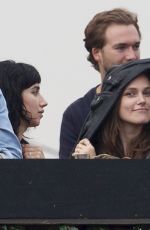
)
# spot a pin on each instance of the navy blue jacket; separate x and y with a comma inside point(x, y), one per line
point(72, 122)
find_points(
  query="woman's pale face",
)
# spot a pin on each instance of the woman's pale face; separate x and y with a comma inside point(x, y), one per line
point(34, 104)
point(135, 102)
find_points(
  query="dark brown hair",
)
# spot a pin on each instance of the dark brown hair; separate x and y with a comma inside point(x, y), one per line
point(109, 141)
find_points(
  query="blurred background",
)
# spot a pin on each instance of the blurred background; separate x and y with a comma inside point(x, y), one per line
point(49, 35)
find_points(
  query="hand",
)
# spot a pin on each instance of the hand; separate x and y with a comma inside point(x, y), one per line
point(105, 156)
point(84, 147)
point(32, 152)
point(126, 158)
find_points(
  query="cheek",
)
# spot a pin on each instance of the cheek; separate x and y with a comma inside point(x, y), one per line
point(125, 108)
point(29, 104)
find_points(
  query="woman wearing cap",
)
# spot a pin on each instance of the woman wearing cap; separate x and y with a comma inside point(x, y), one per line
point(123, 129)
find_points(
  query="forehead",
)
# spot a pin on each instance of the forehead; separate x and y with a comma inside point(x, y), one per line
point(116, 34)
point(36, 85)
point(141, 81)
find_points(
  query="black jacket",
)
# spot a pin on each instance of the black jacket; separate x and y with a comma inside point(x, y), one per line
point(113, 85)
point(72, 122)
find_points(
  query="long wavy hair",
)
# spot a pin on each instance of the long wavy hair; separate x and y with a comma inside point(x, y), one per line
point(108, 139)
point(14, 78)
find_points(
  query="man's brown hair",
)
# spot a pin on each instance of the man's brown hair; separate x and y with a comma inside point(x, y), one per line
point(95, 30)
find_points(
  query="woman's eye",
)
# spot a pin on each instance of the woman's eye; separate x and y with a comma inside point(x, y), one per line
point(34, 92)
point(147, 93)
point(130, 94)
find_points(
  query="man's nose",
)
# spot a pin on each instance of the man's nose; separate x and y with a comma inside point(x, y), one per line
point(132, 54)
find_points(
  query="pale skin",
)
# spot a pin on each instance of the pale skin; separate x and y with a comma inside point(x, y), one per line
point(34, 104)
point(32, 152)
point(134, 108)
point(133, 113)
point(122, 45)
point(84, 146)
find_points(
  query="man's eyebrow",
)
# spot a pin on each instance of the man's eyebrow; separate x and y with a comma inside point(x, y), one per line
point(126, 44)
point(120, 44)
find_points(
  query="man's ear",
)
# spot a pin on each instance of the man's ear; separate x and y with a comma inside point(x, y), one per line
point(96, 52)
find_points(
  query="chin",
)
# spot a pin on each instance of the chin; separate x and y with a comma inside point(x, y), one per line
point(34, 124)
point(143, 122)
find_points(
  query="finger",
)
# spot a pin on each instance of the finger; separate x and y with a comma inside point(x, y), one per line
point(126, 158)
point(81, 149)
point(32, 149)
point(24, 145)
point(37, 155)
point(85, 141)
point(74, 154)
point(34, 155)
point(81, 155)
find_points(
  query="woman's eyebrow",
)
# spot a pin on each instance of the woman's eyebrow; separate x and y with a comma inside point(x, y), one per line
point(131, 88)
point(134, 88)
point(36, 87)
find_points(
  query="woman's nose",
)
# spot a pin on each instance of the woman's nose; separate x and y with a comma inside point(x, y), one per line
point(43, 102)
point(141, 99)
